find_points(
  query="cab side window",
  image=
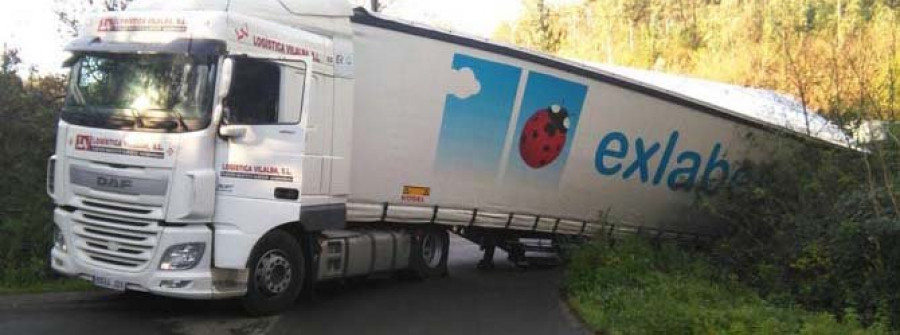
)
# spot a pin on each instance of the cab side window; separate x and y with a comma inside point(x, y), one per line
point(293, 82)
point(253, 98)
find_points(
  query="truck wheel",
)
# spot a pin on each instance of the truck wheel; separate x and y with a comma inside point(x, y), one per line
point(428, 255)
point(277, 270)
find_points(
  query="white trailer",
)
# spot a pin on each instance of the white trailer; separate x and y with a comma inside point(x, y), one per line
point(215, 149)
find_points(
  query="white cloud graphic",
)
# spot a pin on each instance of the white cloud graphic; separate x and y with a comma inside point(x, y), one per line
point(463, 83)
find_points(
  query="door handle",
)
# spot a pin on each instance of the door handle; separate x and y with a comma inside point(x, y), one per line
point(288, 132)
point(287, 193)
point(229, 131)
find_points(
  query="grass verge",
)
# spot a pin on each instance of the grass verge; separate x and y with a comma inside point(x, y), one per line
point(47, 286)
point(634, 288)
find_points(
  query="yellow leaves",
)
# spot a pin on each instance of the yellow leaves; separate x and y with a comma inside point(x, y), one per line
point(832, 55)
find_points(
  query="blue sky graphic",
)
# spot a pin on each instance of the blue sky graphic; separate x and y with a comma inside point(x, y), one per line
point(473, 130)
point(542, 91)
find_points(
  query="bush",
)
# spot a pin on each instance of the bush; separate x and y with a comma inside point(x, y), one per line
point(28, 110)
point(634, 288)
point(818, 228)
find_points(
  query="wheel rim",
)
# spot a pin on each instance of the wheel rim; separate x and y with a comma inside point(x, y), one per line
point(273, 272)
point(432, 250)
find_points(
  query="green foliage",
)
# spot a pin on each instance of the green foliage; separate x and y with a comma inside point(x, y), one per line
point(54, 285)
point(818, 228)
point(633, 288)
point(28, 109)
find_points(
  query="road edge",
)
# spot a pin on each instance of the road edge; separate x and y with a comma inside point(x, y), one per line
point(572, 315)
point(57, 299)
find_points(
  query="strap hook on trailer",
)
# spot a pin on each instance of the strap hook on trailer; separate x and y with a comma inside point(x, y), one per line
point(536, 221)
point(434, 214)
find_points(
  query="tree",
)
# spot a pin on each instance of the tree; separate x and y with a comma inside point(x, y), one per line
point(9, 61)
point(28, 108)
point(836, 55)
point(540, 27)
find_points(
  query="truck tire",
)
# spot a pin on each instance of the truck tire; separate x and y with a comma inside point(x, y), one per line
point(428, 253)
point(277, 271)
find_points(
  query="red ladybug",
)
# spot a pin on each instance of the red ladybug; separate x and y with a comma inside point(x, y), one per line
point(544, 136)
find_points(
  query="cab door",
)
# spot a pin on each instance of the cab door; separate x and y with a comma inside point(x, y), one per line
point(259, 153)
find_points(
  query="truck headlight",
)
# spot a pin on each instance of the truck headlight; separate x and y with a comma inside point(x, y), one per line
point(59, 241)
point(182, 256)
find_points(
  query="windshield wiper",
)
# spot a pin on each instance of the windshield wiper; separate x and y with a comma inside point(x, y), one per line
point(138, 119)
point(92, 116)
point(180, 118)
point(173, 112)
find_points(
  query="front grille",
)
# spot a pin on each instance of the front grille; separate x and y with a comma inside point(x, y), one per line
point(119, 207)
point(116, 242)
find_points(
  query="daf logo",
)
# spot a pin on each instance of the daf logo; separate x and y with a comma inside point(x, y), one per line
point(112, 246)
point(114, 182)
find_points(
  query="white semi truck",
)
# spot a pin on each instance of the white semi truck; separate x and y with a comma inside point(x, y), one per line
point(251, 148)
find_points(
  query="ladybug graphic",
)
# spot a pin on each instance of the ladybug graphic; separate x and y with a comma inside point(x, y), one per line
point(544, 136)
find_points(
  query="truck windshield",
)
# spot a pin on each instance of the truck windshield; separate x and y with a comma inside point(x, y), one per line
point(156, 93)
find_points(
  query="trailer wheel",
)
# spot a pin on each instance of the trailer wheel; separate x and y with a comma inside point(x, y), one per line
point(277, 271)
point(428, 255)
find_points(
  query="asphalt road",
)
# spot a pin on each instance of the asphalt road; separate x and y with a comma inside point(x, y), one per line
point(505, 300)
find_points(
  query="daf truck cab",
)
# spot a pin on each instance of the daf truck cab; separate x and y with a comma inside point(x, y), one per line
point(203, 152)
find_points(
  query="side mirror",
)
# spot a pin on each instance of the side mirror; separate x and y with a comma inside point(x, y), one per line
point(231, 131)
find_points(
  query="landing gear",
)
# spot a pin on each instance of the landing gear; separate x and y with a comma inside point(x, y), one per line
point(489, 245)
point(524, 250)
point(516, 254)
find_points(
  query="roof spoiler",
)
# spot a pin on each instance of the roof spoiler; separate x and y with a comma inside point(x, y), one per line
point(207, 47)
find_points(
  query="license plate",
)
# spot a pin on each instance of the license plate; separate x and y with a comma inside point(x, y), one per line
point(112, 284)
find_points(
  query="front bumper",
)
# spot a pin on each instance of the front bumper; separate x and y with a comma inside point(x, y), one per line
point(201, 282)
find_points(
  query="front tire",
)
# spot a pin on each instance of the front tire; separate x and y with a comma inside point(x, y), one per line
point(277, 271)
